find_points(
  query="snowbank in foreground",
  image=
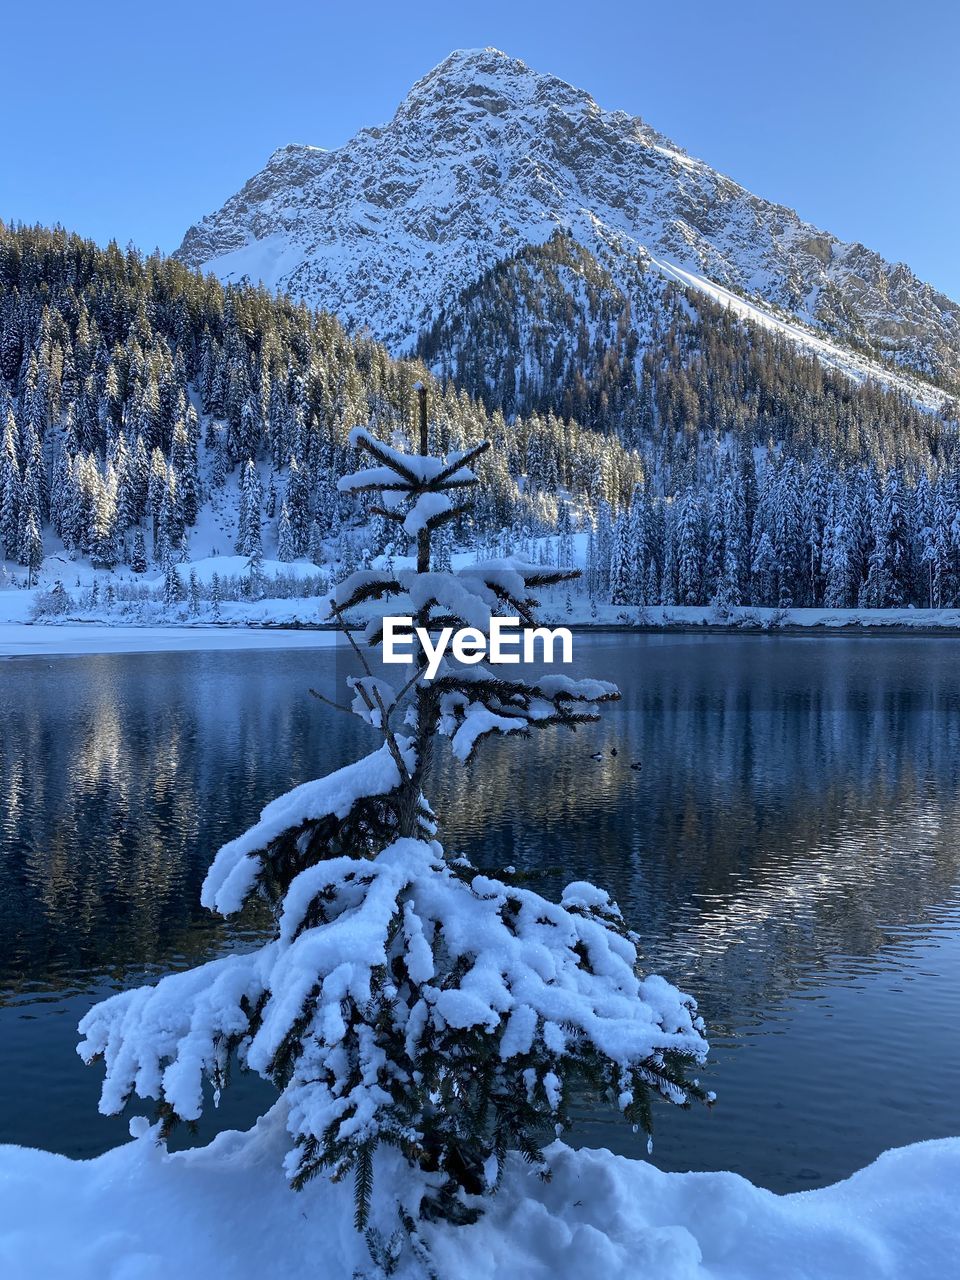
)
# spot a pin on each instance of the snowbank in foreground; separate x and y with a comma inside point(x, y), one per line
point(137, 1213)
point(18, 640)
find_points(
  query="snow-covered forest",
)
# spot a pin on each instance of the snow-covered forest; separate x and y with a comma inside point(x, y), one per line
point(140, 399)
point(153, 417)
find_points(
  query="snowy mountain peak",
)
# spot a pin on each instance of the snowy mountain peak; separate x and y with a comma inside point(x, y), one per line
point(491, 81)
point(485, 156)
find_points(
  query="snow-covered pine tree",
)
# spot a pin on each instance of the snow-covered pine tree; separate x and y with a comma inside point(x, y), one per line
point(216, 596)
point(564, 534)
point(407, 1000)
point(764, 571)
point(286, 550)
point(104, 548)
point(172, 587)
point(156, 492)
point(31, 545)
point(249, 526)
point(138, 557)
point(620, 578)
point(668, 576)
point(688, 549)
point(298, 508)
point(315, 549)
point(637, 547)
point(651, 590)
point(253, 583)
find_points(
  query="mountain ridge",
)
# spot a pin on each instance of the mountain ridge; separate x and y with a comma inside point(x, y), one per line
point(485, 155)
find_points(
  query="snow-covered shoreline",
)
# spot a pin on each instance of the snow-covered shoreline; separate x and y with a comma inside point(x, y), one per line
point(74, 638)
point(772, 621)
point(226, 1211)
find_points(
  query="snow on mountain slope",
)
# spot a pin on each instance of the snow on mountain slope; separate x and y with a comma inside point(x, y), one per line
point(807, 338)
point(485, 155)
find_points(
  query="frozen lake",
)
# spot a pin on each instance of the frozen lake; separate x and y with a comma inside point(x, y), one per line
point(789, 853)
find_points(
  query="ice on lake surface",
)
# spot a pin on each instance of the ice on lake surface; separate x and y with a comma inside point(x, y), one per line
point(789, 852)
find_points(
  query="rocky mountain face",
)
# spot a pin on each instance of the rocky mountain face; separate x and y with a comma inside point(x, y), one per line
point(485, 157)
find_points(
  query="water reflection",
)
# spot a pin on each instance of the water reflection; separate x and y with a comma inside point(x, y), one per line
point(788, 851)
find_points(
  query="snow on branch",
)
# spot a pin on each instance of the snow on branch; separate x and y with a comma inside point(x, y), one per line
point(413, 471)
point(161, 1042)
point(477, 722)
point(428, 510)
point(383, 967)
point(372, 700)
point(237, 866)
point(468, 596)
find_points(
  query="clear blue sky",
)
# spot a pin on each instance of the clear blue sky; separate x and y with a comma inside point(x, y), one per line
point(133, 120)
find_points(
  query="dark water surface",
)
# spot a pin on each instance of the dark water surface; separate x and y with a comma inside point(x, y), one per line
point(789, 853)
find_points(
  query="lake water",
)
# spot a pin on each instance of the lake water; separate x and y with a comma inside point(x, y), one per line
point(789, 853)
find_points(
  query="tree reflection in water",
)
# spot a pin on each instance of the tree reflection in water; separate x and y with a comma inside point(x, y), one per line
point(788, 852)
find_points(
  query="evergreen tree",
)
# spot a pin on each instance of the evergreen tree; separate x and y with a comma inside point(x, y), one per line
point(285, 546)
point(254, 582)
point(764, 572)
point(138, 558)
point(156, 493)
point(564, 535)
point(104, 541)
point(688, 549)
point(889, 568)
point(216, 596)
point(668, 578)
point(11, 500)
point(315, 549)
point(652, 590)
point(620, 577)
point(405, 999)
point(298, 507)
point(637, 549)
point(172, 588)
point(31, 546)
point(788, 537)
point(249, 525)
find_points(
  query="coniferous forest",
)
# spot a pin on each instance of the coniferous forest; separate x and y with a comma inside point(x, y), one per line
point(707, 460)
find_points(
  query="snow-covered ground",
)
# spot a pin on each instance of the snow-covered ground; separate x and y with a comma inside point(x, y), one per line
point(154, 625)
point(225, 1211)
point(301, 623)
point(749, 618)
point(17, 640)
point(147, 623)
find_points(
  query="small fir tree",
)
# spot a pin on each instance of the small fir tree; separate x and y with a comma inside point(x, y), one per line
point(216, 596)
point(408, 1000)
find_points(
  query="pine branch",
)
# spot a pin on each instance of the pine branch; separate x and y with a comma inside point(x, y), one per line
point(322, 697)
point(363, 1185)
